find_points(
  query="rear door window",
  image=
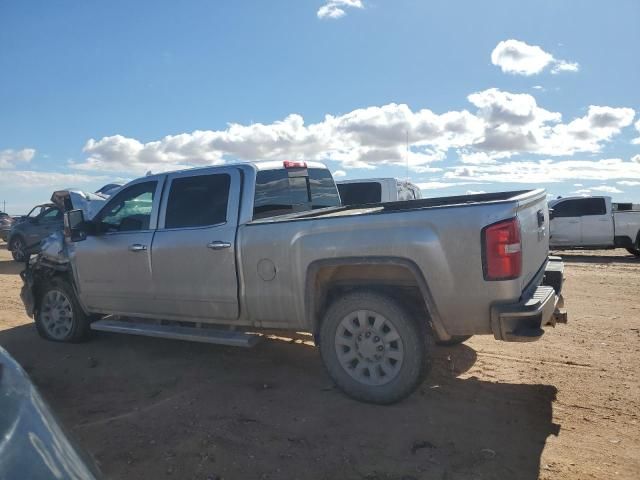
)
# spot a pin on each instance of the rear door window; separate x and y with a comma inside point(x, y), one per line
point(198, 201)
point(594, 206)
point(580, 207)
point(360, 193)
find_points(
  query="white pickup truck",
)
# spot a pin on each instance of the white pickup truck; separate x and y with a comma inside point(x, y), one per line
point(377, 190)
point(594, 223)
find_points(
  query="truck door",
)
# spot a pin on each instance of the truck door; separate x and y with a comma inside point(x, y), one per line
point(565, 228)
point(194, 254)
point(113, 267)
point(597, 224)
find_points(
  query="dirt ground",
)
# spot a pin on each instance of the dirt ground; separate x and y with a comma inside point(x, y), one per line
point(566, 407)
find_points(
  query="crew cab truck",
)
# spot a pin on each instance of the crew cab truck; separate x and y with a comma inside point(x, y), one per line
point(594, 223)
point(253, 246)
point(376, 190)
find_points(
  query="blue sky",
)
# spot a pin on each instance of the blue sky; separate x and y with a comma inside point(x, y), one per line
point(494, 95)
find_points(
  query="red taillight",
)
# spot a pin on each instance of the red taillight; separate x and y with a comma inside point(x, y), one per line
point(502, 250)
point(290, 164)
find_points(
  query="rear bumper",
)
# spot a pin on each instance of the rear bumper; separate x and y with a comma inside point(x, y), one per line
point(524, 321)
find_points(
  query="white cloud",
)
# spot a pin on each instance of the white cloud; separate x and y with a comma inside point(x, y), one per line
point(334, 9)
point(585, 192)
point(547, 171)
point(362, 138)
point(436, 185)
point(519, 58)
point(606, 189)
point(564, 66)
point(504, 125)
point(339, 174)
point(48, 181)
point(579, 185)
point(539, 87)
point(475, 158)
point(10, 158)
point(514, 123)
point(636, 158)
point(629, 183)
point(636, 141)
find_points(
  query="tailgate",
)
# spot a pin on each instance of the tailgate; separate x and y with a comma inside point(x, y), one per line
point(533, 214)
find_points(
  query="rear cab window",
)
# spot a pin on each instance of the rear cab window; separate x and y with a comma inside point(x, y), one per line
point(288, 190)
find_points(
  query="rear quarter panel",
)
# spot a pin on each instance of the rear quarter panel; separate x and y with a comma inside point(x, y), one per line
point(627, 224)
point(444, 243)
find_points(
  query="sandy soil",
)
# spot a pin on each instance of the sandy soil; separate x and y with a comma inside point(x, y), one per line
point(566, 407)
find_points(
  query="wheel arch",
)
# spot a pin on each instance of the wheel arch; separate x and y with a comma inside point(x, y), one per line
point(329, 277)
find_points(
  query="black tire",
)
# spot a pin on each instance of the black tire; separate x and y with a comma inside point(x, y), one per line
point(634, 251)
point(453, 341)
point(414, 342)
point(78, 329)
point(17, 247)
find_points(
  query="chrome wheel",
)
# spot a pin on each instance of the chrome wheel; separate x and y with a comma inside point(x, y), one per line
point(369, 347)
point(56, 314)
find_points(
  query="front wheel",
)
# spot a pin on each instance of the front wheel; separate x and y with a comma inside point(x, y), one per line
point(372, 348)
point(634, 251)
point(59, 316)
point(18, 249)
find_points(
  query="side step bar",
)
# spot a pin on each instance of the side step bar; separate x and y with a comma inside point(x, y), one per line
point(177, 332)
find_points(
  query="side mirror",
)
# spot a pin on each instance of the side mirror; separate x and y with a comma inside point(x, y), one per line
point(551, 214)
point(75, 226)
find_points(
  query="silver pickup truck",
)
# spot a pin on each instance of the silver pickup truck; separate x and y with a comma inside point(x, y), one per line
point(208, 254)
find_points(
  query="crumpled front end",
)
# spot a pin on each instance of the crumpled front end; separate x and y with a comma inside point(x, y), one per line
point(52, 260)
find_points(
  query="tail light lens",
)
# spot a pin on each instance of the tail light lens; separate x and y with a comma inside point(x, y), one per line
point(502, 250)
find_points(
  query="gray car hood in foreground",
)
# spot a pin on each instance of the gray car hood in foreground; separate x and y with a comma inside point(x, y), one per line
point(32, 443)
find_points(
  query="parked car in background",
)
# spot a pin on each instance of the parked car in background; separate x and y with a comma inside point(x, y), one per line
point(376, 190)
point(34, 445)
point(268, 245)
point(27, 234)
point(594, 223)
point(6, 221)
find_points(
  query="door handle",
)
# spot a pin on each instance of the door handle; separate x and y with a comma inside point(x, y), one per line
point(218, 245)
point(136, 247)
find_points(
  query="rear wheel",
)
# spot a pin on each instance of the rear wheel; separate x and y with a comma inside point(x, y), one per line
point(59, 316)
point(454, 340)
point(18, 249)
point(634, 251)
point(372, 348)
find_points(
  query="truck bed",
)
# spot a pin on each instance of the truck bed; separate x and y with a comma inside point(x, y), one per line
point(409, 205)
